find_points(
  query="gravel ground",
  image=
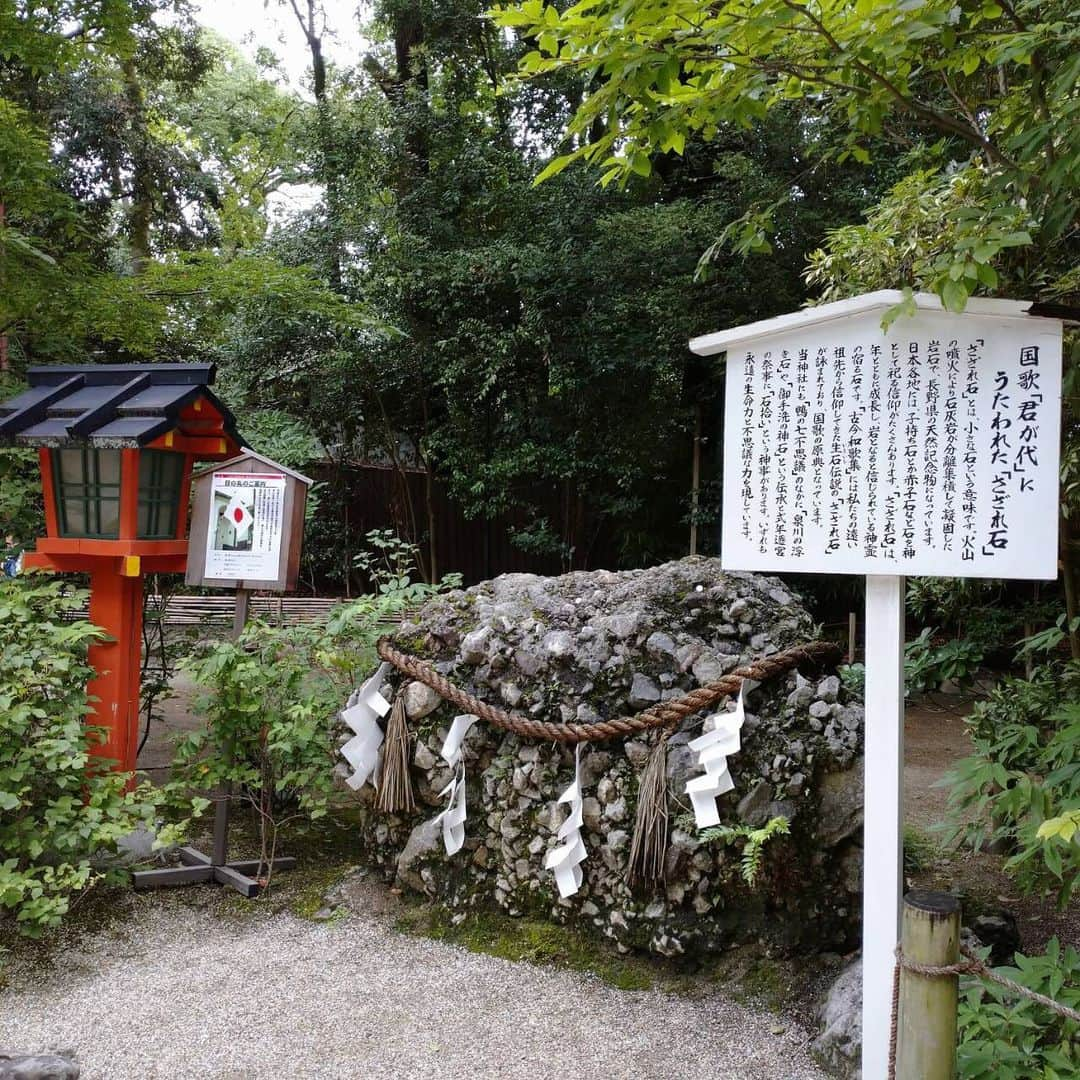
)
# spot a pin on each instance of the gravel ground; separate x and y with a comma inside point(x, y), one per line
point(183, 993)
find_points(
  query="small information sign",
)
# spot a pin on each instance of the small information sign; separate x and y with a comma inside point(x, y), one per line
point(247, 523)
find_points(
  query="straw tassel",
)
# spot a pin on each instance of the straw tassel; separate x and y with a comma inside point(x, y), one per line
point(395, 784)
point(648, 852)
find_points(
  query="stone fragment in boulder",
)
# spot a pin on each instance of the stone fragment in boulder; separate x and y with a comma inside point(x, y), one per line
point(420, 701)
point(753, 808)
point(474, 647)
point(425, 841)
point(643, 691)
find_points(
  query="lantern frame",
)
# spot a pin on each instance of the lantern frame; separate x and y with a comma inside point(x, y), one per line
point(116, 446)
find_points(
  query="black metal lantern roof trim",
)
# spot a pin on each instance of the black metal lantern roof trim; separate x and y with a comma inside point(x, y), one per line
point(109, 406)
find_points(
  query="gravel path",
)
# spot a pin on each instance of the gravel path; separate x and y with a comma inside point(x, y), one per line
point(182, 993)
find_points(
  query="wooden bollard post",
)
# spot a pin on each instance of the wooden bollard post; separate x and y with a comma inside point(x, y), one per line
point(926, 1033)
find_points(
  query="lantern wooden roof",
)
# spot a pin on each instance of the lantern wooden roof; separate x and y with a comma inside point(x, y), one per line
point(112, 406)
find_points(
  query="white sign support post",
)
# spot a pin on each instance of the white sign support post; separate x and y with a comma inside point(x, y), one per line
point(883, 817)
point(930, 448)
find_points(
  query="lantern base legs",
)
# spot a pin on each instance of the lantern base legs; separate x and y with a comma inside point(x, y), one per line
point(237, 875)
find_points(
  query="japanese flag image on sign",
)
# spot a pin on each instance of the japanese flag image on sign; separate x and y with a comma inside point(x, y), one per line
point(237, 514)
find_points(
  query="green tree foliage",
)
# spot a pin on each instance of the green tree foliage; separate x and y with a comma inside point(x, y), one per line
point(57, 820)
point(1025, 773)
point(992, 86)
point(137, 157)
point(541, 369)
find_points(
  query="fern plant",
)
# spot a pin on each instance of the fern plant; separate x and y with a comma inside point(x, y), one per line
point(753, 841)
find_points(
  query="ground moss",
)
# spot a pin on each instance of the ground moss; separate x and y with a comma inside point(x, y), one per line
point(779, 985)
point(534, 941)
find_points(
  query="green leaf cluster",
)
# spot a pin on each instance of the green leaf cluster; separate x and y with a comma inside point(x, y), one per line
point(1006, 1036)
point(994, 86)
point(58, 814)
point(928, 664)
point(753, 842)
point(1021, 786)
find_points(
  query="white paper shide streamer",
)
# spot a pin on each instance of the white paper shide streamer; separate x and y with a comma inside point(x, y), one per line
point(567, 858)
point(453, 817)
point(713, 749)
point(362, 715)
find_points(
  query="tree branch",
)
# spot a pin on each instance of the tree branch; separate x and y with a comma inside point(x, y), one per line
point(940, 120)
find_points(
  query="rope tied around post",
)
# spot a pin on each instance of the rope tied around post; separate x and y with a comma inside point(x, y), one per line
point(971, 964)
point(666, 715)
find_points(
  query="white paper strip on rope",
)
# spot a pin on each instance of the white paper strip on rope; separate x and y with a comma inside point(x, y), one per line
point(713, 749)
point(567, 858)
point(365, 707)
point(451, 749)
point(453, 817)
point(367, 702)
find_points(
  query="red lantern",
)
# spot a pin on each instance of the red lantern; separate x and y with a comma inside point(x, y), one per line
point(117, 444)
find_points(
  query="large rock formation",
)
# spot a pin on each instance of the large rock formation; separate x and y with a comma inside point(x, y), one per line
point(596, 645)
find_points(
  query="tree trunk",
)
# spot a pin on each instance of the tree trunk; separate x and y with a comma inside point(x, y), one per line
point(1068, 577)
point(429, 502)
point(141, 212)
point(309, 18)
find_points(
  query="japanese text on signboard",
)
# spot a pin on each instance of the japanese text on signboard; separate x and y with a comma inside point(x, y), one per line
point(924, 451)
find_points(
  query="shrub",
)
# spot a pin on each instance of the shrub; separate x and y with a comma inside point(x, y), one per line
point(927, 665)
point(1005, 1037)
point(853, 676)
point(1022, 783)
point(271, 701)
point(54, 814)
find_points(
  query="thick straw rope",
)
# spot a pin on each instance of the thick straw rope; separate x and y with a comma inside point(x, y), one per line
point(667, 714)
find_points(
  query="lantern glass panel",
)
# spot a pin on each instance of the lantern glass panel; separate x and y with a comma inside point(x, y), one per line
point(87, 492)
point(160, 474)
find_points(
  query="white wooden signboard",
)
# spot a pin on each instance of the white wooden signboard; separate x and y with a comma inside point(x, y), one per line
point(929, 449)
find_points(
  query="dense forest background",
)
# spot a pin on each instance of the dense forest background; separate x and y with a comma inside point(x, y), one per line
point(495, 369)
point(431, 334)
